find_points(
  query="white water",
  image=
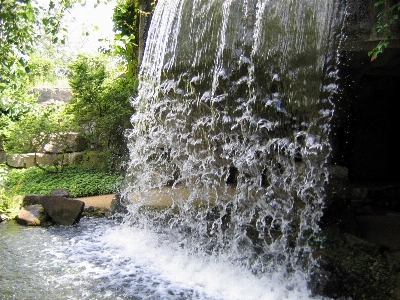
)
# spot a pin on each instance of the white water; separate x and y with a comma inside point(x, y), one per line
point(237, 90)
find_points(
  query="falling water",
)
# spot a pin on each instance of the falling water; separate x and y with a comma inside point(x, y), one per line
point(231, 133)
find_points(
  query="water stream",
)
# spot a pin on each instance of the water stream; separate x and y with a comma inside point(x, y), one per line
point(232, 129)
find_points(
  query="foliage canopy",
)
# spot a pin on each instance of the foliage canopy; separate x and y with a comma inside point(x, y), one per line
point(21, 25)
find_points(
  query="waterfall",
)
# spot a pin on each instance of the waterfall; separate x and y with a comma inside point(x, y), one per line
point(229, 146)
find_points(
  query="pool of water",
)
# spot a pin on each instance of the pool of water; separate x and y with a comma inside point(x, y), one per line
point(101, 259)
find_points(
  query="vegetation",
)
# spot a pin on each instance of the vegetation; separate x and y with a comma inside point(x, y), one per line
point(32, 38)
point(80, 182)
point(387, 17)
point(23, 22)
point(101, 103)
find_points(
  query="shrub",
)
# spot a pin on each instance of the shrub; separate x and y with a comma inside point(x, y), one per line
point(101, 104)
point(78, 181)
point(37, 127)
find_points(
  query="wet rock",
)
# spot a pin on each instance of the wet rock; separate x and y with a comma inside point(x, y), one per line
point(63, 211)
point(60, 193)
point(32, 215)
point(89, 209)
point(117, 206)
point(336, 187)
point(94, 212)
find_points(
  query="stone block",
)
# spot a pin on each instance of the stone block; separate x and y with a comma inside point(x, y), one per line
point(29, 159)
point(74, 158)
point(15, 160)
point(68, 141)
point(96, 159)
point(45, 158)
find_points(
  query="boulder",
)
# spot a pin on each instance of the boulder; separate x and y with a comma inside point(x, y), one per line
point(60, 193)
point(32, 215)
point(15, 160)
point(63, 211)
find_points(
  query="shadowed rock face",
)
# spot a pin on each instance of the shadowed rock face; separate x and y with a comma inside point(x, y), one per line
point(63, 211)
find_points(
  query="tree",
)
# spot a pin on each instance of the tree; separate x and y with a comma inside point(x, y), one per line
point(100, 103)
point(21, 22)
point(131, 22)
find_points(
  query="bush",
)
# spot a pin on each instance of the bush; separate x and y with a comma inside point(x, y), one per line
point(78, 181)
point(101, 104)
point(37, 127)
point(9, 202)
point(41, 71)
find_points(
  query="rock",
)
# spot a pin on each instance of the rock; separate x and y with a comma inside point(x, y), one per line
point(3, 217)
point(49, 93)
point(45, 159)
point(117, 207)
point(74, 158)
point(60, 193)
point(15, 160)
point(31, 199)
point(32, 215)
point(362, 245)
point(89, 209)
point(63, 211)
point(336, 186)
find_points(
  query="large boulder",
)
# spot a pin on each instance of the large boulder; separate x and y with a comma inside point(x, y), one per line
point(32, 215)
point(63, 211)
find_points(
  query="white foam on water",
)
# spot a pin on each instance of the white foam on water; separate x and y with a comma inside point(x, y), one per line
point(107, 261)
